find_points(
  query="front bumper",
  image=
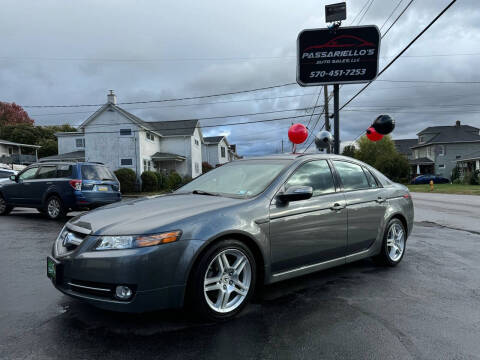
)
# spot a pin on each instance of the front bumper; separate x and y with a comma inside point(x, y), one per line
point(157, 275)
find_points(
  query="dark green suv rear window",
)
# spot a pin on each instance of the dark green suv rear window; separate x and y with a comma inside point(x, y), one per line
point(64, 171)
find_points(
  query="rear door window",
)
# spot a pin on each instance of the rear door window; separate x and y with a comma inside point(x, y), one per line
point(352, 175)
point(64, 171)
point(371, 179)
point(96, 172)
point(47, 172)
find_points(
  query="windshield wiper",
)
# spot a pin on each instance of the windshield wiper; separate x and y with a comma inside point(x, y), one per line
point(201, 192)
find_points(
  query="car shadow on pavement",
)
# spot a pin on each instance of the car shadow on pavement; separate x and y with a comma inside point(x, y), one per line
point(269, 300)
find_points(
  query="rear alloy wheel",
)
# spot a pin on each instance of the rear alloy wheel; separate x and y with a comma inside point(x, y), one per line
point(4, 208)
point(394, 242)
point(54, 208)
point(224, 281)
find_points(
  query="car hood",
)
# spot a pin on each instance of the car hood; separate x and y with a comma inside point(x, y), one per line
point(148, 215)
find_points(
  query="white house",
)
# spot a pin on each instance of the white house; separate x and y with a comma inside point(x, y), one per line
point(217, 151)
point(120, 139)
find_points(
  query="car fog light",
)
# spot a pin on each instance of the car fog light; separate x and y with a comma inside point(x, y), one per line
point(123, 292)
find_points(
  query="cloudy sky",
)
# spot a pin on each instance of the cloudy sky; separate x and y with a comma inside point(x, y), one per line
point(57, 52)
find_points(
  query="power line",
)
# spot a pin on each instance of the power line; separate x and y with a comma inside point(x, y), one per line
point(398, 17)
point(167, 100)
point(365, 13)
point(429, 81)
point(400, 53)
point(183, 105)
point(391, 14)
point(361, 10)
point(315, 106)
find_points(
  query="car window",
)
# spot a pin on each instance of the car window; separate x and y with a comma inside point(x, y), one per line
point(28, 174)
point(96, 172)
point(316, 174)
point(5, 174)
point(46, 172)
point(352, 175)
point(64, 171)
point(371, 179)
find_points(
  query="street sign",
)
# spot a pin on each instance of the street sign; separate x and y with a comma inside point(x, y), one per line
point(344, 55)
point(336, 12)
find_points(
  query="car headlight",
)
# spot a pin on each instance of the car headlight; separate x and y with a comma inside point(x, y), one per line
point(136, 241)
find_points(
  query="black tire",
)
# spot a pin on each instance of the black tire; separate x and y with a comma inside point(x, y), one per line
point(4, 208)
point(385, 257)
point(197, 299)
point(56, 202)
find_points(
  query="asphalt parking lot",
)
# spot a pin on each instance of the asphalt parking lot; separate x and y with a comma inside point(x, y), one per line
point(426, 308)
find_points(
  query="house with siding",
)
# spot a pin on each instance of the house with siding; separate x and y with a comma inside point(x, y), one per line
point(439, 148)
point(217, 151)
point(13, 153)
point(120, 139)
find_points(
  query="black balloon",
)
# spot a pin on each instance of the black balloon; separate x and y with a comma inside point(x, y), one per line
point(384, 124)
point(323, 140)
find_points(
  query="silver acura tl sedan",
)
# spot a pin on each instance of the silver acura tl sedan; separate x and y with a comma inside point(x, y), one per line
point(211, 243)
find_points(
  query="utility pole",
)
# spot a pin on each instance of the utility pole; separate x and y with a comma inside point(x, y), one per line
point(282, 146)
point(336, 120)
point(327, 120)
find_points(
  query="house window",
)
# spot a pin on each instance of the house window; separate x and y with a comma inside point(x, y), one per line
point(197, 167)
point(222, 149)
point(441, 150)
point(441, 166)
point(150, 136)
point(196, 142)
point(126, 162)
point(458, 156)
point(125, 132)
point(147, 165)
point(421, 139)
point(80, 143)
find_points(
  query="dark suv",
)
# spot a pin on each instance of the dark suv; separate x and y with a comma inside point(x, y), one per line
point(54, 188)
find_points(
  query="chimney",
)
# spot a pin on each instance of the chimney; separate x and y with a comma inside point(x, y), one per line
point(457, 123)
point(112, 98)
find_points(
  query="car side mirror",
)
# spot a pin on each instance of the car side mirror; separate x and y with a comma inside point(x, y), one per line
point(296, 193)
point(13, 178)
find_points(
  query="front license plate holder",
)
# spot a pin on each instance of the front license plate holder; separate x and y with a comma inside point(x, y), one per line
point(54, 270)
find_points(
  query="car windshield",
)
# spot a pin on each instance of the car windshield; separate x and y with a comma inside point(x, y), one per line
point(96, 172)
point(241, 179)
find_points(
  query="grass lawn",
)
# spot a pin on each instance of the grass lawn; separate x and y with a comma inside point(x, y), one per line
point(447, 189)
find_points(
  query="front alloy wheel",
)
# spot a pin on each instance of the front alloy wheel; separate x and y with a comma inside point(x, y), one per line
point(223, 281)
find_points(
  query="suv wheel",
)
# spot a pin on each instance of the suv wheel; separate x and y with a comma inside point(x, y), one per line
point(394, 242)
point(54, 208)
point(4, 208)
point(223, 281)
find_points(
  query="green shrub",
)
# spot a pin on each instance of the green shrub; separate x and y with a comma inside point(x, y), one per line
point(186, 179)
point(174, 181)
point(161, 181)
point(455, 173)
point(149, 181)
point(127, 178)
point(457, 181)
point(471, 178)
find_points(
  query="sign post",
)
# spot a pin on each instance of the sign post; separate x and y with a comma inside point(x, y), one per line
point(347, 55)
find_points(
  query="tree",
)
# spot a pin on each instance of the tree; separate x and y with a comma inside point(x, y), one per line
point(13, 114)
point(383, 156)
point(349, 150)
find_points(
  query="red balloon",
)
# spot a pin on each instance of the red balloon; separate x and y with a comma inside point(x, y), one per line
point(297, 133)
point(373, 135)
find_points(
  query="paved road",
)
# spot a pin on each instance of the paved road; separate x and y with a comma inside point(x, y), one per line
point(426, 308)
point(453, 211)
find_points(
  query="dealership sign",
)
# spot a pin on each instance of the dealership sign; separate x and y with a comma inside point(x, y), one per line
point(344, 55)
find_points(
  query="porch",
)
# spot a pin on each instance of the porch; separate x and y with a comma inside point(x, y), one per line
point(168, 162)
point(422, 166)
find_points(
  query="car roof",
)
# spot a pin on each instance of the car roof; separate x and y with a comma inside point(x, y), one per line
point(302, 156)
point(68, 163)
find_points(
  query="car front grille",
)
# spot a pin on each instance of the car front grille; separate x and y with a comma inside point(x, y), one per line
point(68, 241)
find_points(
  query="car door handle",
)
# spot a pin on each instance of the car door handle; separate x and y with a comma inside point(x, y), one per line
point(380, 200)
point(337, 207)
